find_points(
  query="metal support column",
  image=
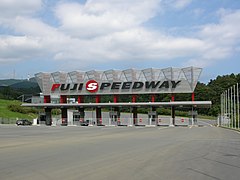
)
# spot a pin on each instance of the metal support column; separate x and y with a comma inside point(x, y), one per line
point(153, 109)
point(135, 115)
point(63, 100)
point(80, 99)
point(64, 117)
point(172, 97)
point(48, 113)
point(172, 123)
point(134, 98)
point(117, 109)
point(82, 114)
point(81, 109)
point(173, 116)
point(47, 99)
point(98, 111)
point(99, 116)
point(193, 96)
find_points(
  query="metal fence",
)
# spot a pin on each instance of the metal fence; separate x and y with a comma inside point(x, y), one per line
point(230, 108)
point(7, 120)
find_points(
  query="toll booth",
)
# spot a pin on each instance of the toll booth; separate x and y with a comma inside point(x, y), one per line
point(152, 118)
point(41, 118)
point(76, 118)
point(81, 115)
point(193, 117)
point(45, 117)
point(114, 118)
point(70, 116)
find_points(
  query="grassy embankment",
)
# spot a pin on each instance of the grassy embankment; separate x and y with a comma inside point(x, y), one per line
point(5, 113)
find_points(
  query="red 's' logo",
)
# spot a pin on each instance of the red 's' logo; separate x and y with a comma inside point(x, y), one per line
point(92, 86)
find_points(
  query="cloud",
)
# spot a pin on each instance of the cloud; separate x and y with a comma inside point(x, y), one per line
point(226, 31)
point(137, 45)
point(33, 39)
point(14, 48)
point(176, 4)
point(198, 12)
point(113, 30)
point(180, 4)
point(100, 17)
point(221, 38)
point(103, 31)
point(13, 8)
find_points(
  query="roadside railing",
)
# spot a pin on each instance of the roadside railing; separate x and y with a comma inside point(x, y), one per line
point(7, 120)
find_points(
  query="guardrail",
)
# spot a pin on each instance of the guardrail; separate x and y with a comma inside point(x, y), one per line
point(7, 120)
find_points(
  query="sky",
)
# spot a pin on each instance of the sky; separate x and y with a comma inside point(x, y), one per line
point(67, 35)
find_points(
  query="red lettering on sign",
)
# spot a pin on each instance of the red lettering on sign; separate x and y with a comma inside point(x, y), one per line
point(55, 86)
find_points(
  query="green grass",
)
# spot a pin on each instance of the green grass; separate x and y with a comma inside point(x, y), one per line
point(6, 113)
point(206, 117)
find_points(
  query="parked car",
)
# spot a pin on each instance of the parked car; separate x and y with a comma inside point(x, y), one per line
point(85, 123)
point(23, 122)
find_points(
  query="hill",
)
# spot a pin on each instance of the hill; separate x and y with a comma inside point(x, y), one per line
point(19, 83)
point(5, 113)
point(9, 82)
point(24, 85)
point(15, 88)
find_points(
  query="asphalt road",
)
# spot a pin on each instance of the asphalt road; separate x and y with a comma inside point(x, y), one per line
point(114, 153)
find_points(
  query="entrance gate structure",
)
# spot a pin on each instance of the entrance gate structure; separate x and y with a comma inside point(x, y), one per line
point(151, 81)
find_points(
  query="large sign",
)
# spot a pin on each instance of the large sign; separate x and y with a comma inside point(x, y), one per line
point(147, 81)
point(130, 87)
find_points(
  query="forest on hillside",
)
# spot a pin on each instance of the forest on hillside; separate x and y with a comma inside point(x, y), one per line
point(203, 92)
